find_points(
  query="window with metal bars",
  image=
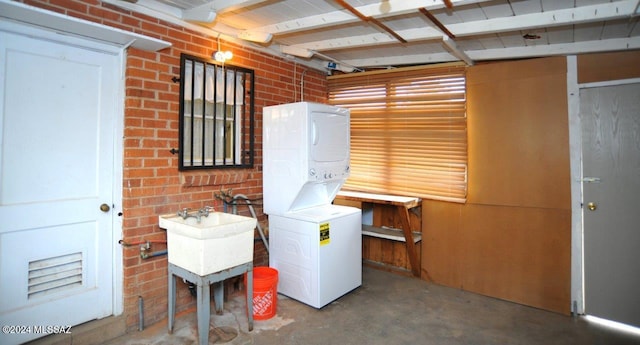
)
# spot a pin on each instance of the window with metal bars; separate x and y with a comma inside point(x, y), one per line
point(408, 130)
point(216, 115)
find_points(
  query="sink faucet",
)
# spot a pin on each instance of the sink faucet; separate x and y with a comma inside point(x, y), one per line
point(204, 211)
point(184, 213)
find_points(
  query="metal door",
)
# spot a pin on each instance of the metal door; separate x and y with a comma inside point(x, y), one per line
point(56, 184)
point(610, 118)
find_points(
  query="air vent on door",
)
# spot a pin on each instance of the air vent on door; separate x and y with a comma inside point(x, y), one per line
point(54, 275)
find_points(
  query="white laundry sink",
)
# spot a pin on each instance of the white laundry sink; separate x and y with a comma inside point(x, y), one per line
point(215, 243)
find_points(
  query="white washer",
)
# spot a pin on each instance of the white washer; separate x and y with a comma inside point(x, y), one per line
point(317, 252)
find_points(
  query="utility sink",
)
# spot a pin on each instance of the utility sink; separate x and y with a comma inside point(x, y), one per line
point(215, 243)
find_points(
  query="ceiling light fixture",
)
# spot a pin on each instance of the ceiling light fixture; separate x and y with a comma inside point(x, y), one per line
point(255, 36)
point(297, 51)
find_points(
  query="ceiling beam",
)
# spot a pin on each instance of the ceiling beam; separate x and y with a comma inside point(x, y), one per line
point(609, 11)
point(160, 12)
point(395, 8)
point(617, 44)
point(198, 14)
point(448, 40)
point(202, 13)
point(232, 5)
point(207, 12)
point(150, 4)
point(614, 44)
point(452, 47)
point(399, 60)
point(420, 34)
point(583, 14)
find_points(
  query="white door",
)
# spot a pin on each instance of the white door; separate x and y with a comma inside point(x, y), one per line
point(610, 118)
point(57, 123)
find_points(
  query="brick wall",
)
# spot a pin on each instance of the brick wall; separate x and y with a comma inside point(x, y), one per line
point(152, 183)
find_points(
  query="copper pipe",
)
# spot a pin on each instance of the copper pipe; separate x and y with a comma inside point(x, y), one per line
point(437, 23)
point(370, 20)
point(388, 30)
point(448, 4)
point(353, 10)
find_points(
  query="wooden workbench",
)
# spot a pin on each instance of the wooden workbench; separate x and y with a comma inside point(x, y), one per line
point(402, 205)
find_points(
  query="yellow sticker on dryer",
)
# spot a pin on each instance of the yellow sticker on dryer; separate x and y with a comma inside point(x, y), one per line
point(324, 234)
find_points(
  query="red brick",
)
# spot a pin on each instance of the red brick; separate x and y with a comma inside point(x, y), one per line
point(152, 184)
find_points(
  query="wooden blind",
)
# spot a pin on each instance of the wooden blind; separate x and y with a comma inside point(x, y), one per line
point(408, 130)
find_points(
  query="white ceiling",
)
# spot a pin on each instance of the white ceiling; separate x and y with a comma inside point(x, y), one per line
point(367, 34)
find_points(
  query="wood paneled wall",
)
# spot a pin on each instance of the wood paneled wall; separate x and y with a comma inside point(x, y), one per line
point(608, 66)
point(512, 239)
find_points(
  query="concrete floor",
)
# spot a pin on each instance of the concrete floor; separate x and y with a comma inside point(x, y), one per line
point(388, 309)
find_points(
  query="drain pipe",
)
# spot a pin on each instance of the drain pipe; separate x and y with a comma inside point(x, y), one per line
point(140, 314)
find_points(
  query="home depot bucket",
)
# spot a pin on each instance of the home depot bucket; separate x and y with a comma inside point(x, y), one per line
point(265, 292)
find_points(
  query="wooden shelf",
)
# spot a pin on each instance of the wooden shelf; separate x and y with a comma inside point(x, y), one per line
point(389, 233)
point(404, 201)
point(388, 219)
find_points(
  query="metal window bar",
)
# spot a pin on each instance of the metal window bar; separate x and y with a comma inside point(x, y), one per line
point(233, 117)
point(224, 119)
point(203, 151)
point(215, 113)
point(251, 119)
point(239, 117)
point(234, 120)
point(193, 112)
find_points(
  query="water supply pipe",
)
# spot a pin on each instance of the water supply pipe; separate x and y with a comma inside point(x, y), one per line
point(253, 214)
point(145, 255)
point(147, 242)
point(226, 197)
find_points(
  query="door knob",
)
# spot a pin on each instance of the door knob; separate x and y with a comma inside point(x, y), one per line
point(104, 208)
point(592, 206)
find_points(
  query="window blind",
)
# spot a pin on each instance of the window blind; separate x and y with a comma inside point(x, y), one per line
point(408, 130)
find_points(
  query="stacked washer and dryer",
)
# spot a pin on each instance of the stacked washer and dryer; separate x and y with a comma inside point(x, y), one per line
point(315, 246)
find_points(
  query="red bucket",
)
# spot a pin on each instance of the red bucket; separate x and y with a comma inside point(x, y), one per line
point(265, 292)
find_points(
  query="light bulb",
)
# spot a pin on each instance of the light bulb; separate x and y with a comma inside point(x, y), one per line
point(222, 56)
